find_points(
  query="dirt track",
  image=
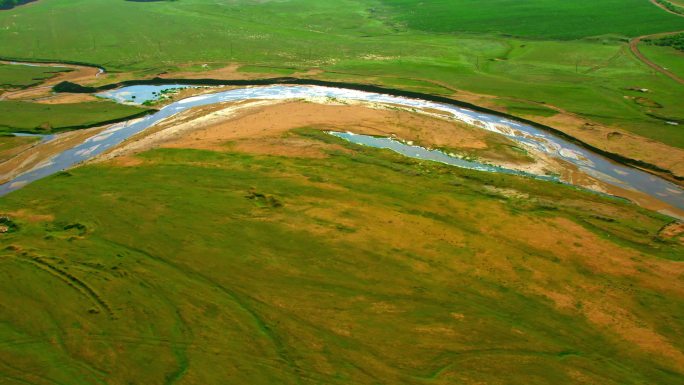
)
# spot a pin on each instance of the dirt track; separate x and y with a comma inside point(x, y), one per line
point(634, 47)
point(657, 4)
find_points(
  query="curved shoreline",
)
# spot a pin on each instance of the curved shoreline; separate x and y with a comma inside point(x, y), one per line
point(656, 170)
point(76, 88)
point(49, 62)
point(595, 171)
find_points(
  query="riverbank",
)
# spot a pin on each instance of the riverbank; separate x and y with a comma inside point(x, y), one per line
point(184, 254)
point(579, 165)
point(619, 145)
point(666, 158)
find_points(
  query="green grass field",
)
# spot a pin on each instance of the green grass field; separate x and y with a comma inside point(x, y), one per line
point(557, 19)
point(232, 268)
point(16, 116)
point(666, 57)
point(184, 266)
point(363, 41)
point(17, 76)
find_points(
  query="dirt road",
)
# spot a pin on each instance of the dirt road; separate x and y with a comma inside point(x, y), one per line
point(657, 4)
point(634, 47)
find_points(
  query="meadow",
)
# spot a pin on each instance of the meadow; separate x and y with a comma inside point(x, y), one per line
point(344, 265)
point(16, 76)
point(555, 19)
point(668, 57)
point(378, 42)
point(18, 116)
point(225, 266)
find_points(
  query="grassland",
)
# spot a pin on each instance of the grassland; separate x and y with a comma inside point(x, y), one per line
point(364, 41)
point(243, 268)
point(352, 265)
point(16, 76)
point(11, 145)
point(667, 57)
point(557, 19)
point(17, 116)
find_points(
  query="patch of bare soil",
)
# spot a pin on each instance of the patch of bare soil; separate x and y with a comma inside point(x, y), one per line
point(229, 72)
point(506, 244)
point(605, 306)
point(259, 127)
point(17, 145)
point(126, 161)
point(674, 230)
point(64, 98)
point(43, 152)
point(284, 146)
point(279, 118)
point(30, 216)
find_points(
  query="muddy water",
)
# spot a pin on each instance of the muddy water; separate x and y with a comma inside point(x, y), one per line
point(597, 166)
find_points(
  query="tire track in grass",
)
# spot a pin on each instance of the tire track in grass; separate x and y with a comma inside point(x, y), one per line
point(263, 327)
point(36, 376)
point(70, 280)
point(664, 8)
point(15, 379)
point(607, 63)
point(179, 349)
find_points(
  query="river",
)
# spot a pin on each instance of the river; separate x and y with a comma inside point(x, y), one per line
point(595, 165)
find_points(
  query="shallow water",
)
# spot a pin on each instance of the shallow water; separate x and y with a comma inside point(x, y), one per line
point(139, 94)
point(418, 152)
point(593, 164)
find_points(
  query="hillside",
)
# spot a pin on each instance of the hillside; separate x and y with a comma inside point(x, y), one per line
point(234, 266)
point(341, 192)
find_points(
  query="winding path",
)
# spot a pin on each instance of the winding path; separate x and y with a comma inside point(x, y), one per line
point(657, 4)
point(634, 47)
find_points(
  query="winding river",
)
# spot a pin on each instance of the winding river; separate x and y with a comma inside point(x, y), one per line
point(595, 165)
